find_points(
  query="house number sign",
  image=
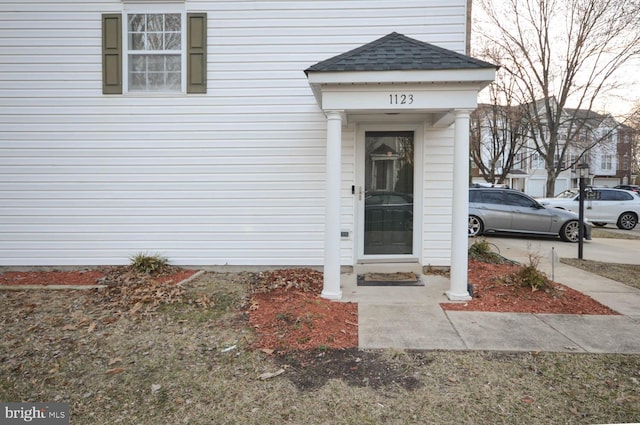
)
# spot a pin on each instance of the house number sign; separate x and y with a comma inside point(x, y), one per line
point(400, 98)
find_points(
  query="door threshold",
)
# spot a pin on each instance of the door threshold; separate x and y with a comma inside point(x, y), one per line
point(388, 267)
point(388, 260)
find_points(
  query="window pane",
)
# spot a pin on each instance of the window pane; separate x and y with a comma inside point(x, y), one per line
point(172, 22)
point(173, 63)
point(606, 195)
point(155, 81)
point(136, 23)
point(136, 41)
point(173, 81)
point(154, 41)
point(172, 41)
point(154, 22)
point(492, 197)
point(137, 63)
point(137, 81)
point(517, 200)
point(155, 63)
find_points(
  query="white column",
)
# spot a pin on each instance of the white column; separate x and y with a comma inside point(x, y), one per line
point(460, 218)
point(331, 288)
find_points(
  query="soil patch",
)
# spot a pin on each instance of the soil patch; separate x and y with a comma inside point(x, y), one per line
point(311, 370)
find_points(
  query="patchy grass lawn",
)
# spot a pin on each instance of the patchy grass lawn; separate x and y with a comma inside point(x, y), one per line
point(611, 233)
point(629, 274)
point(191, 363)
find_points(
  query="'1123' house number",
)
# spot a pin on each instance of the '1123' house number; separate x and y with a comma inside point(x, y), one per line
point(400, 99)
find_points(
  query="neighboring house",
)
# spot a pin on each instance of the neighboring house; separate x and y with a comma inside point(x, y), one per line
point(626, 150)
point(596, 139)
point(499, 152)
point(236, 132)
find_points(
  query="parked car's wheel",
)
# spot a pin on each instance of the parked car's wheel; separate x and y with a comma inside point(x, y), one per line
point(570, 231)
point(475, 226)
point(599, 224)
point(627, 221)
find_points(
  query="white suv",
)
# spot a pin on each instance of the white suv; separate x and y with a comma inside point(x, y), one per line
point(601, 206)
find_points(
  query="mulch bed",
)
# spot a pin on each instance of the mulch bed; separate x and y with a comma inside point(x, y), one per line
point(109, 275)
point(288, 314)
point(40, 278)
point(491, 293)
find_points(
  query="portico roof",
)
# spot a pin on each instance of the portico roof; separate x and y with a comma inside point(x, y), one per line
point(397, 52)
point(397, 59)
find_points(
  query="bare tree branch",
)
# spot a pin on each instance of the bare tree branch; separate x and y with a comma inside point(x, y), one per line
point(560, 53)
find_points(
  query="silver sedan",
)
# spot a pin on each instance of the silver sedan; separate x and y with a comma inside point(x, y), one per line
point(497, 210)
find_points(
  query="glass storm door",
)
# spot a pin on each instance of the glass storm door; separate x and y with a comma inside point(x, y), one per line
point(388, 192)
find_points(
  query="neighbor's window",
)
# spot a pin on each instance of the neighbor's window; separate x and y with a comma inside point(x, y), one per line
point(537, 162)
point(518, 161)
point(606, 162)
point(625, 162)
point(154, 52)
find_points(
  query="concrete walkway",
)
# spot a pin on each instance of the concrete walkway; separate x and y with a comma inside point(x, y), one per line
point(410, 317)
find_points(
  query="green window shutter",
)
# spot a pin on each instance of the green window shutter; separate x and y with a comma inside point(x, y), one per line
point(196, 53)
point(112, 54)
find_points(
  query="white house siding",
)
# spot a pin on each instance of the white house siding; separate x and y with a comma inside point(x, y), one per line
point(235, 176)
point(347, 201)
point(437, 200)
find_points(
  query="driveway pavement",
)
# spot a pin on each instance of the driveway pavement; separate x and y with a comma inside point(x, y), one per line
point(410, 317)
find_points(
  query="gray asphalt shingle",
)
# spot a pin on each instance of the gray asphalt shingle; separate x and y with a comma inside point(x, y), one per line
point(397, 52)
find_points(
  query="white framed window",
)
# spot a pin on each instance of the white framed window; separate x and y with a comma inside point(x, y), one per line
point(154, 48)
point(606, 162)
point(625, 161)
point(164, 50)
point(557, 160)
point(537, 162)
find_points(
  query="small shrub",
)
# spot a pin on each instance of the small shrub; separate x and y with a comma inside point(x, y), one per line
point(532, 278)
point(481, 250)
point(529, 276)
point(145, 263)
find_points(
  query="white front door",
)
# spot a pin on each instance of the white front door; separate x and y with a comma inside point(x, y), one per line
point(386, 192)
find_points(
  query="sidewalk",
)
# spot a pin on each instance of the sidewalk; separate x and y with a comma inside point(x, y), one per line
point(411, 318)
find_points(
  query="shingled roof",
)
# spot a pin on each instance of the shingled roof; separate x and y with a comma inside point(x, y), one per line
point(397, 52)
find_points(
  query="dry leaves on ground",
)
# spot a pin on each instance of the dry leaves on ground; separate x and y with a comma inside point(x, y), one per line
point(126, 291)
point(131, 292)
